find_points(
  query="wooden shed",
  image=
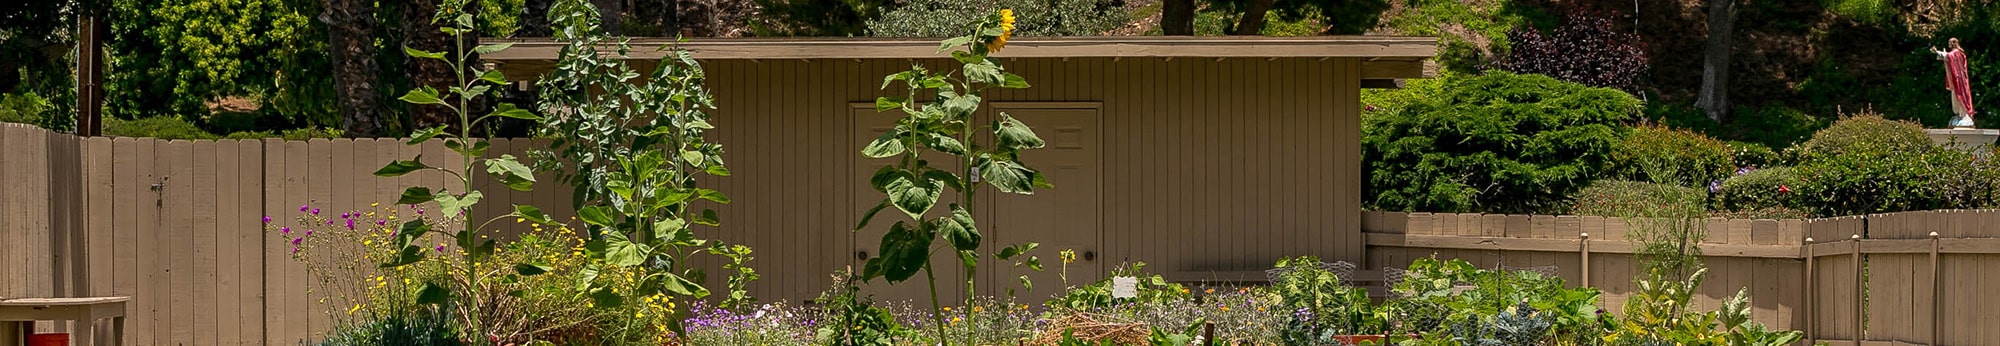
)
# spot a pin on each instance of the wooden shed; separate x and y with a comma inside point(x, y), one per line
point(1206, 158)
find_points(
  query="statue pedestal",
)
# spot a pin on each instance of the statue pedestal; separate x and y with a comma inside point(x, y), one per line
point(1978, 141)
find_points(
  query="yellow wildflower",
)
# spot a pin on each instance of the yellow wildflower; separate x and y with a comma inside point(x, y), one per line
point(376, 204)
point(357, 307)
point(978, 309)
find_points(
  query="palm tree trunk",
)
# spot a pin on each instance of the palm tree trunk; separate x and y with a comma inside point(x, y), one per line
point(350, 31)
point(1714, 98)
point(1253, 18)
point(1177, 18)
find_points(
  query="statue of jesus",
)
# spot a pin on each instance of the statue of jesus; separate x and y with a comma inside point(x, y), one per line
point(1956, 81)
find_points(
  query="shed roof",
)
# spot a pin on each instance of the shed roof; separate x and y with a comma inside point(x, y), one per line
point(1385, 56)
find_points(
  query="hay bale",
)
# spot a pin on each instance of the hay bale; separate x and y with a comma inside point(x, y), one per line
point(1094, 328)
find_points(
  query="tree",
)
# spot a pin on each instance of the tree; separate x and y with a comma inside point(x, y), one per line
point(1344, 17)
point(419, 33)
point(1177, 17)
point(350, 29)
point(1584, 50)
point(1714, 98)
point(171, 58)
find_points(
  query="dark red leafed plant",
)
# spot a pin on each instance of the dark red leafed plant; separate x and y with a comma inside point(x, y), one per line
point(1584, 50)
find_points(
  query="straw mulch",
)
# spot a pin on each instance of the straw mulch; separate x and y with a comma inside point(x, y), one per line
point(1094, 329)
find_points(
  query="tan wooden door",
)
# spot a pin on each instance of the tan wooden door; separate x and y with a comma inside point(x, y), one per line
point(1065, 217)
point(869, 124)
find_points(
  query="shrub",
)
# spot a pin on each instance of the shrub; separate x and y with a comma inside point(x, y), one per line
point(1757, 189)
point(1471, 32)
point(947, 18)
point(1583, 50)
point(424, 327)
point(1499, 143)
point(1621, 198)
point(1322, 305)
point(155, 127)
point(1670, 156)
point(29, 108)
point(1753, 155)
point(1152, 288)
point(1864, 133)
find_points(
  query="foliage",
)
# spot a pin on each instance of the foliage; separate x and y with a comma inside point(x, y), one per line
point(852, 320)
point(1471, 34)
point(28, 108)
point(631, 152)
point(1671, 156)
point(1498, 142)
point(467, 275)
point(1753, 155)
point(291, 135)
point(1152, 288)
point(170, 58)
point(1864, 133)
point(1474, 304)
point(1217, 21)
point(1754, 189)
point(1866, 164)
point(1773, 125)
point(1322, 305)
point(1341, 17)
point(943, 125)
point(946, 18)
point(1584, 50)
point(1662, 311)
point(155, 127)
point(425, 327)
point(818, 17)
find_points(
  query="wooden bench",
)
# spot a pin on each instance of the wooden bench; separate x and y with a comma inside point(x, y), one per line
point(85, 311)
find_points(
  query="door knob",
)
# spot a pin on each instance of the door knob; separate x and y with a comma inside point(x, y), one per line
point(1090, 255)
point(861, 255)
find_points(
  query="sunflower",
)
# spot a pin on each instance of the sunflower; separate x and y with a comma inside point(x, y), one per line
point(1006, 30)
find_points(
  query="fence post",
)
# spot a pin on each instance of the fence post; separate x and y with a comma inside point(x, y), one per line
point(1860, 286)
point(1937, 292)
point(1585, 241)
point(1812, 294)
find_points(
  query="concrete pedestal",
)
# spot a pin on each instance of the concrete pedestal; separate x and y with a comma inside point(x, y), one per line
point(1978, 141)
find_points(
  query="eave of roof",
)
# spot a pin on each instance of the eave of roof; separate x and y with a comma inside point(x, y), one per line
point(1395, 48)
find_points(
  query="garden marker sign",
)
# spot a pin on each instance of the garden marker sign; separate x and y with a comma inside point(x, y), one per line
point(1124, 287)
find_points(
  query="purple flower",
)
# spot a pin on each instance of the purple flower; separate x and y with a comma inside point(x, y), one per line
point(315, 211)
point(420, 211)
point(345, 215)
point(295, 249)
point(350, 224)
point(267, 219)
point(287, 230)
point(1714, 186)
point(295, 241)
point(381, 222)
point(329, 222)
point(304, 208)
point(309, 233)
point(439, 248)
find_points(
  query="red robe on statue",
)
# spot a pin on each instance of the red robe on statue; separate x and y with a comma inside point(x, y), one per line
point(1956, 78)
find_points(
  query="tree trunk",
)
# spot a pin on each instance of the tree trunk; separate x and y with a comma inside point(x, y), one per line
point(535, 19)
point(1177, 18)
point(1253, 18)
point(611, 12)
point(1714, 98)
point(350, 31)
point(420, 33)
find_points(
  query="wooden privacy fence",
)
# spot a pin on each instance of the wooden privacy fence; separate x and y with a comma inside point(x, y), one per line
point(1874, 279)
point(174, 224)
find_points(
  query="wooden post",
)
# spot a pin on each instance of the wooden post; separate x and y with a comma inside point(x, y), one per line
point(1860, 286)
point(1208, 333)
point(1812, 293)
point(1585, 244)
point(1937, 292)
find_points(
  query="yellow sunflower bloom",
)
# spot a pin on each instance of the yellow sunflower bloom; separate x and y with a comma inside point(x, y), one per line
point(1006, 31)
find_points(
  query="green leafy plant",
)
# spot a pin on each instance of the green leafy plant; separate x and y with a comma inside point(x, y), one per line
point(1152, 288)
point(1621, 198)
point(1471, 303)
point(1322, 306)
point(944, 125)
point(470, 273)
point(1497, 142)
point(1758, 189)
point(851, 320)
point(1671, 156)
point(945, 18)
point(632, 150)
